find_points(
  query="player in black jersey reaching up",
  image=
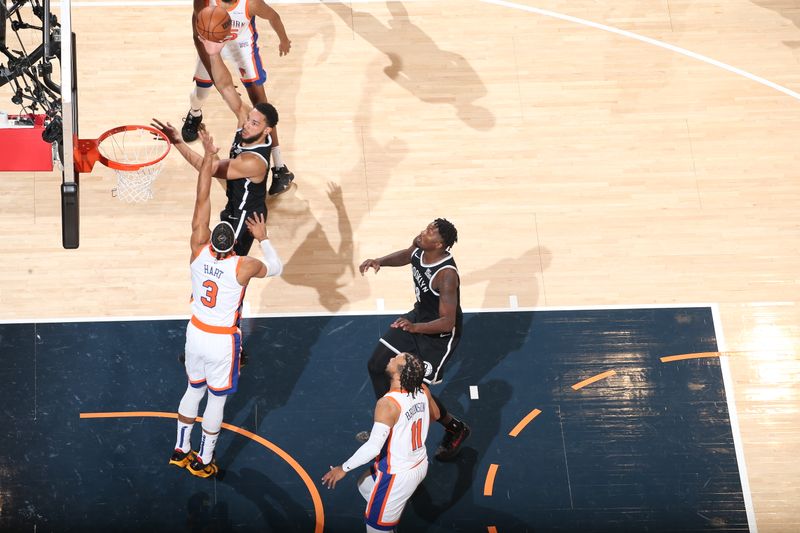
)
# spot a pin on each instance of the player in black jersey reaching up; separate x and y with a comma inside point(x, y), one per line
point(246, 169)
point(433, 328)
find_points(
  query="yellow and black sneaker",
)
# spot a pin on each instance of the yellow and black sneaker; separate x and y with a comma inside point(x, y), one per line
point(182, 459)
point(197, 468)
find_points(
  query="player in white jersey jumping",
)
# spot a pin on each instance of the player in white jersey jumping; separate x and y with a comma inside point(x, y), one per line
point(396, 444)
point(242, 50)
point(213, 339)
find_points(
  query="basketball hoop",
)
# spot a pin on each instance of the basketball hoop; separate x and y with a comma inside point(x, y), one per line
point(135, 153)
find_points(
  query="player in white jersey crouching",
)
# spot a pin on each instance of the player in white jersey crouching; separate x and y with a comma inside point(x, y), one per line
point(396, 445)
point(213, 339)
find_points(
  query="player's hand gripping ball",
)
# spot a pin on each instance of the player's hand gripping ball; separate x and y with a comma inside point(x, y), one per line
point(213, 24)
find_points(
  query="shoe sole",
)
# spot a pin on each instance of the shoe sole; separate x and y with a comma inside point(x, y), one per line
point(274, 194)
point(203, 474)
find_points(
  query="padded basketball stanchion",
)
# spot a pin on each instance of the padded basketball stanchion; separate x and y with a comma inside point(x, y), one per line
point(70, 219)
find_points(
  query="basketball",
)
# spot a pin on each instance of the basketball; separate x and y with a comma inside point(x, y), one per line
point(213, 23)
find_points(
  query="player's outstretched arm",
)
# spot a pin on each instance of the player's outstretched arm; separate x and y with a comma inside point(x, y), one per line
point(260, 9)
point(174, 136)
point(271, 264)
point(394, 259)
point(201, 233)
point(386, 414)
point(223, 80)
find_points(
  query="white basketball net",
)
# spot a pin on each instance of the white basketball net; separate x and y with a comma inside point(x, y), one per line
point(134, 147)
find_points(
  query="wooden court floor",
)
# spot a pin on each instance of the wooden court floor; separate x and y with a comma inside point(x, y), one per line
point(582, 165)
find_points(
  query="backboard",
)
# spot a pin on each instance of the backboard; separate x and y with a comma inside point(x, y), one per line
point(70, 204)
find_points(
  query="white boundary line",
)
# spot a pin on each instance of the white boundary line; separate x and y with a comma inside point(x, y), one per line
point(648, 40)
point(727, 380)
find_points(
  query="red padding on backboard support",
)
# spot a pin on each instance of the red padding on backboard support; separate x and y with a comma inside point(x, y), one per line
point(23, 150)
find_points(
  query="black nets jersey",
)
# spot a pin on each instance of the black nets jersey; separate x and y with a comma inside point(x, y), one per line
point(244, 195)
point(427, 306)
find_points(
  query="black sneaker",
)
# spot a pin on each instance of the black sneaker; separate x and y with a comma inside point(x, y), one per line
point(243, 358)
point(451, 443)
point(190, 125)
point(362, 436)
point(281, 180)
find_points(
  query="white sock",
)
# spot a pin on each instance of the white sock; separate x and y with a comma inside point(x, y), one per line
point(184, 440)
point(196, 99)
point(276, 157)
point(207, 444)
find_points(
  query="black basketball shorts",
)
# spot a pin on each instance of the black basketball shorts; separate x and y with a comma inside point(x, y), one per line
point(434, 350)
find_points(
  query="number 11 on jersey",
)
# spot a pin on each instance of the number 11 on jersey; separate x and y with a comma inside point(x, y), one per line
point(416, 435)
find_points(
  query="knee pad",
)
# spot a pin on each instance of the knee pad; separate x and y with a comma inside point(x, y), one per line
point(212, 416)
point(190, 403)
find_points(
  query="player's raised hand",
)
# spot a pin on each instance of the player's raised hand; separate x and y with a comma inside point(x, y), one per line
point(168, 129)
point(257, 224)
point(373, 263)
point(208, 141)
point(212, 47)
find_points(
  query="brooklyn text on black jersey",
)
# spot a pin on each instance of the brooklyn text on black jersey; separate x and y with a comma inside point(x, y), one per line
point(427, 306)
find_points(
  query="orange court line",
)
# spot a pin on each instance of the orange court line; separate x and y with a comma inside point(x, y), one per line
point(131, 414)
point(488, 486)
point(670, 358)
point(491, 529)
point(592, 379)
point(524, 422)
point(315, 497)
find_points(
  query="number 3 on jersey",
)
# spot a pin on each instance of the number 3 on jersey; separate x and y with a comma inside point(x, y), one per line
point(210, 298)
point(416, 435)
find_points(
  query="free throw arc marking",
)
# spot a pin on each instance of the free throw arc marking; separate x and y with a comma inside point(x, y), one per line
point(524, 422)
point(699, 355)
point(488, 486)
point(319, 512)
point(598, 377)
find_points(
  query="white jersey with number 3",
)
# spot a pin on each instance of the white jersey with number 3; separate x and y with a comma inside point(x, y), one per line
point(405, 447)
point(216, 293)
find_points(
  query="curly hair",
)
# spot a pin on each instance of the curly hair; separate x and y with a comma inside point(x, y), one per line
point(447, 231)
point(412, 374)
